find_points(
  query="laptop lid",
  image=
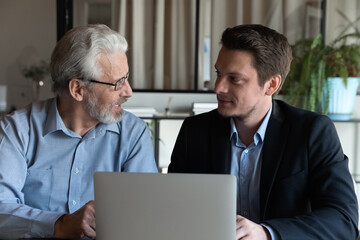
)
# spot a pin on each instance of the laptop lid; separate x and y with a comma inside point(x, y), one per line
point(137, 206)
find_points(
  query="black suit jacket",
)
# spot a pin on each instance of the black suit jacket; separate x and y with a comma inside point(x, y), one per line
point(306, 190)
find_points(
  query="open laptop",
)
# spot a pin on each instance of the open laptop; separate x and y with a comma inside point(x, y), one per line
point(137, 206)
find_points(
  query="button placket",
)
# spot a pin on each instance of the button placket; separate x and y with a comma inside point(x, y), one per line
point(75, 178)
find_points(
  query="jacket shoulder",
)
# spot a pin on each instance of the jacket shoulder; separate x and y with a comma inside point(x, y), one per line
point(283, 110)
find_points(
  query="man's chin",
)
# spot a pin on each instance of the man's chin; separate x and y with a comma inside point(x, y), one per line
point(118, 116)
point(224, 112)
point(114, 118)
point(229, 114)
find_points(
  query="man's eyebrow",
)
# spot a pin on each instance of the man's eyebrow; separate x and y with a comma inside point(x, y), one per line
point(117, 79)
point(238, 74)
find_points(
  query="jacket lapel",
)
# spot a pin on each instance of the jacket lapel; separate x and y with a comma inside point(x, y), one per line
point(273, 149)
point(220, 145)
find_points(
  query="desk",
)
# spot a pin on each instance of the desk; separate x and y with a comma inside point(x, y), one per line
point(354, 120)
point(356, 177)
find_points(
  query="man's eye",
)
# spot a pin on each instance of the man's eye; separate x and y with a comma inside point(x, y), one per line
point(218, 74)
point(233, 79)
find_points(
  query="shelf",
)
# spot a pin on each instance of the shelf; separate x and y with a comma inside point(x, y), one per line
point(354, 120)
point(356, 178)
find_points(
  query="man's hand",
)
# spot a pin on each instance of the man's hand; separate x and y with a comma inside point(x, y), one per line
point(246, 229)
point(78, 224)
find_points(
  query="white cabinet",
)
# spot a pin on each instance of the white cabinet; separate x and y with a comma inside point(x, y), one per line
point(164, 131)
point(168, 132)
point(349, 134)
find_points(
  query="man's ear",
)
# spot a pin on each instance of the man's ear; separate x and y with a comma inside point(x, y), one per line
point(272, 85)
point(76, 89)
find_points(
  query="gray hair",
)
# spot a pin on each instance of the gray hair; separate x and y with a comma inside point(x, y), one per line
point(76, 54)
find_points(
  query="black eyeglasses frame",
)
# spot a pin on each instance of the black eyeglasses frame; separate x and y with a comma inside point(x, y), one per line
point(117, 85)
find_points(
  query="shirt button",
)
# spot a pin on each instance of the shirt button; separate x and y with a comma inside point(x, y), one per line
point(246, 151)
point(245, 213)
point(74, 202)
point(76, 170)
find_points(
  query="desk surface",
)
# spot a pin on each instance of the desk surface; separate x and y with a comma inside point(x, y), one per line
point(356, 178)
point(354, 120)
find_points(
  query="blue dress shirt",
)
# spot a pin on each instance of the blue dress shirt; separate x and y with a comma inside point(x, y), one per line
point(46, 170)
point(246, 167)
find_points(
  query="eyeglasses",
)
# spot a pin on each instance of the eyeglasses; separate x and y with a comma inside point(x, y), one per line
point(117, 86)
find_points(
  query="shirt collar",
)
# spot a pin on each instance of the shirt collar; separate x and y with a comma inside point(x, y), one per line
point(260, 133)
point(54, 123)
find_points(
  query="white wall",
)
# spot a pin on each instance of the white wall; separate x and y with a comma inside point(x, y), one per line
point(28, 34)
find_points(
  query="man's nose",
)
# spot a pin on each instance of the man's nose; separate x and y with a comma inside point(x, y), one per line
point(221, 85)
point(126, 90)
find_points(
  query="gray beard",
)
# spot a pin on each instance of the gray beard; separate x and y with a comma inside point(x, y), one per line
point(103, 113)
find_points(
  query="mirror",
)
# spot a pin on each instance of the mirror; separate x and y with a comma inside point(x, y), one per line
point(173, 44)
point(161, 37)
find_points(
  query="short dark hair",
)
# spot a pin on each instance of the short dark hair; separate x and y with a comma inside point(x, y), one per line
point(270, 50)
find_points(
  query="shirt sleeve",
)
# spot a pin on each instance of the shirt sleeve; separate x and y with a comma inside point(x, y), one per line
point(273, 234)
point(18, 220)
point(21, 221)
point(141, 152)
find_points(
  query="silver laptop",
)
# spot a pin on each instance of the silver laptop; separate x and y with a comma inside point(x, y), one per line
point(138, 206)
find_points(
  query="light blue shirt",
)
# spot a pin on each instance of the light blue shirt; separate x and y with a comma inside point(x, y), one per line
point(246, 167)
point(47, 170)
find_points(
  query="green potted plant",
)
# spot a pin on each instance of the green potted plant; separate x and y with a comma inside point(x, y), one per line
point(37, 72)
point(302, 85)
point(315, 67)
point(342, 72)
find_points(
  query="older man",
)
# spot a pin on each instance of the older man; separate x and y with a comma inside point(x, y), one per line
point(50, 150)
